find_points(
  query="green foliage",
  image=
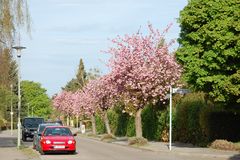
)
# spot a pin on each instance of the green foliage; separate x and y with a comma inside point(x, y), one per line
point(100, 126)
point(210, 48)
point(131, 127)
point(150, 123)
point(187, 122)
point(35, 98)
point(218, 123)
point(79, 81)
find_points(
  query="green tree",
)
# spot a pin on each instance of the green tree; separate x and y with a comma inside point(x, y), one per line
point(82, 77)
point(34, 97)
point(79, 81)
point(210, 48)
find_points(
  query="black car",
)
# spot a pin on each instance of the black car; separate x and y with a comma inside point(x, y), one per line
point(29, 126)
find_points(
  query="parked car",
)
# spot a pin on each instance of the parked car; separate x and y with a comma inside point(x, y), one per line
point(56, 121)
point(29, 126)
point(36, 137)
point(57, 139)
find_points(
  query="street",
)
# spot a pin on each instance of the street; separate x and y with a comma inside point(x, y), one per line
point(89, 149)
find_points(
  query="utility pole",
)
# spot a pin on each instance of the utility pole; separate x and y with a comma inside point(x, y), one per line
point(18, 49)
point(11, 113)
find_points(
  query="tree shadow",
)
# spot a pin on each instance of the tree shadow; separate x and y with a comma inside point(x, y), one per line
point(235, 157)
point(7, 142)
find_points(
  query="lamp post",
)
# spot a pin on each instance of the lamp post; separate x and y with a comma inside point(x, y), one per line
point(18, 49)
point(11, 113)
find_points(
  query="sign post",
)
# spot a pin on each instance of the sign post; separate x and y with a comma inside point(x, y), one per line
point(179, 91)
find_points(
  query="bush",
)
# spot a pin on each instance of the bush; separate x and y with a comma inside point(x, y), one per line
point(137, 141)
point(187, 125)
point(100, 126)
point(150, 123)
point(131, 127)
point(221, 124)
point(224, 145)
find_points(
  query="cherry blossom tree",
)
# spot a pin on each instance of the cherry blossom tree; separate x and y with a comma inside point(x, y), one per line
point(142, 70)
point(63, 102)
point(104, 95)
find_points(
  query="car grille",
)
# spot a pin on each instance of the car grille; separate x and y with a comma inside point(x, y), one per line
point(58, 142)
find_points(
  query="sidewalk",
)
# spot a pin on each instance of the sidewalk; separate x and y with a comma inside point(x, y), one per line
point(180, 149)
point(8, 149)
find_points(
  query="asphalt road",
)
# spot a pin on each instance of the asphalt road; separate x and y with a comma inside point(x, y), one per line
point(89, 149)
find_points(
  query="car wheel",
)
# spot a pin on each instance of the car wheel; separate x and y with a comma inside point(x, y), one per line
point(24, 138)
point(41, 152)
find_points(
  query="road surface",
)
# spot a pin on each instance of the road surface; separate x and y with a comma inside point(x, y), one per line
point(89, 149)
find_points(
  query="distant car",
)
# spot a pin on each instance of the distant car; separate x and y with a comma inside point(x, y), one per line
point(29, 126)
point(57, 139)
point(36, 137)
point(57, 121)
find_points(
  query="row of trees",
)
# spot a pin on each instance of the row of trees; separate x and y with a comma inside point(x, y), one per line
point(142, 71)
point(13, 17)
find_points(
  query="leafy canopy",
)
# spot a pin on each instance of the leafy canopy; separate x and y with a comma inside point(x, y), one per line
point(210, 48)
point(34, 96)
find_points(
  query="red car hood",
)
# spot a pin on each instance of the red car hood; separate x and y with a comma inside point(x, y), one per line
point(59, 138)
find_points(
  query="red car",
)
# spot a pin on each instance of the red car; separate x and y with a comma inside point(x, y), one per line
point(57, 138)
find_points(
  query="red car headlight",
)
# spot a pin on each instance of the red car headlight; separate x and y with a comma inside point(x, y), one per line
point(71, 142)
point(47, 142)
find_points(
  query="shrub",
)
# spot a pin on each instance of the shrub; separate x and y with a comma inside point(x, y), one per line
point(223, 145)
point(100, 126)
point(187, 118)
point(222, 124)
point(130, 127)
point(150, 123)
point(137, 141)
point(113, 120)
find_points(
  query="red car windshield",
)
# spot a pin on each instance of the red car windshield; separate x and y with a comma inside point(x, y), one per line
point(57, 131)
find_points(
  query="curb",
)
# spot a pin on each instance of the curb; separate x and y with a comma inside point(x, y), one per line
point(204, 155)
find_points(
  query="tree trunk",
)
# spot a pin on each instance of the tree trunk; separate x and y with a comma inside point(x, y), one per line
point(77, 122)
point(68, 120)
point(93, 124)
point(138, 123)
point(106, 121)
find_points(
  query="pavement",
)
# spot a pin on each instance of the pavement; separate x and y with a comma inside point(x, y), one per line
point(178, 149)
point(8, 149)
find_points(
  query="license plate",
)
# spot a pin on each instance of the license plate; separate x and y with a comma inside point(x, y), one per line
point(57, 147)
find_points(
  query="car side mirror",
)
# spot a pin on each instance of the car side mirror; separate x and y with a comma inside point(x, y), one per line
point(75, 134)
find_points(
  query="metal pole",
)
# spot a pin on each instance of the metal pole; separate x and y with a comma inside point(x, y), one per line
point(18, 49)
point(11, 113)
point(19, 100)
point(170, 120)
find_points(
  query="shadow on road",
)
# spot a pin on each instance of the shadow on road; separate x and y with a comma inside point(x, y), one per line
point(235, 157)
point(7, 142)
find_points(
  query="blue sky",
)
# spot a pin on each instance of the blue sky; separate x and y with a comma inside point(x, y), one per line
point(63, 31)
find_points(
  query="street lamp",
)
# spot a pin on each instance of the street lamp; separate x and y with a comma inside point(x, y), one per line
point(18, 49)
point(11, 113)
